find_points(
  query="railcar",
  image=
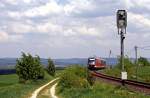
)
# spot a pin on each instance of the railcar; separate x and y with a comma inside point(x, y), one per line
point(96, 63)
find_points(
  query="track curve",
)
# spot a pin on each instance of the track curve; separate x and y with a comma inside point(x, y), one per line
point(139, 86)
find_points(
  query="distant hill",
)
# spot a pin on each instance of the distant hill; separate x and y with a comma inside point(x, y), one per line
point(11, 62)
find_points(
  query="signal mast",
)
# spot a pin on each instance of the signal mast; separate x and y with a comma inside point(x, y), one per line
point(121, 25)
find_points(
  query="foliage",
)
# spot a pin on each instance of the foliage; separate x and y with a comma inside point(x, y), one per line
point(140, 73)
point(73, 77)
point(90, 78)
point(51, 67)
point(128, 65)
point(143, 73)
point(29, 68)
point(143, 61)
point(99, 90)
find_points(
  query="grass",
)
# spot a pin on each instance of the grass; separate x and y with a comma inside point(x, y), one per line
point(10, 88)
point(7, 80)
point(98, 90)
point(143, 73)
point(139, 73)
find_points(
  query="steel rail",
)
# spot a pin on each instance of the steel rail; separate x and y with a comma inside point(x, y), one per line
point(128, 82)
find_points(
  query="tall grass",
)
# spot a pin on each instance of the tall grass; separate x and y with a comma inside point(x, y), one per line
point(100, 90)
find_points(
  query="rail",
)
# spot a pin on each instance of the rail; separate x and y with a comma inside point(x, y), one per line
point(119, 80)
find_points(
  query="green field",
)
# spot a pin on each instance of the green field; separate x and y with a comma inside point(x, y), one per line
point(143, 73)
point(10, 88)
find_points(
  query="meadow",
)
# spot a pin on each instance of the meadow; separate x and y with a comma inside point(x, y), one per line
point(11, 88)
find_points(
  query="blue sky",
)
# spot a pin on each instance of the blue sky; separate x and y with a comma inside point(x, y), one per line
point(71, 28)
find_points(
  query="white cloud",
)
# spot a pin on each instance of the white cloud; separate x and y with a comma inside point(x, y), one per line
point(27, 1)
point(14, 15)
point(19, 27)
point(69, 32)
point(76, 6)
point(49, 8)
point(3, 36)
point(87, 31)
point(13, 2)
point(139, 21)
point(49, 27)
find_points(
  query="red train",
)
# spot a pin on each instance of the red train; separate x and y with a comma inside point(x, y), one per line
point(95, 63)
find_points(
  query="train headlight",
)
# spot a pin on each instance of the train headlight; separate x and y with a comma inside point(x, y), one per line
point(93, 63)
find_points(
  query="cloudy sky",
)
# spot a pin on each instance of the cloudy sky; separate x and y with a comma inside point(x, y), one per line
point(71, 28)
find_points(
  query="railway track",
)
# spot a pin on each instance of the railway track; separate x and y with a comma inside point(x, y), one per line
point(135, 85)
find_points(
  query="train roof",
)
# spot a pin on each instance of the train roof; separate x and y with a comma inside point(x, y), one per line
point(96, 58)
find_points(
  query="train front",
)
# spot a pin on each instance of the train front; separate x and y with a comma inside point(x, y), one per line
point(91, 63)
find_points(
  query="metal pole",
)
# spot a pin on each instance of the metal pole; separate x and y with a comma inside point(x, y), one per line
point(136, 61)
point(136, 54)
point(109, 54)
point(122, 53)
point(122, 50)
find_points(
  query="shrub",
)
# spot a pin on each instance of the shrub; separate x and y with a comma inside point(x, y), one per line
point(143, 61)
point(29, 68)
point(90, 79)
point(51, 67)
point(73, 77)
point(128, 65)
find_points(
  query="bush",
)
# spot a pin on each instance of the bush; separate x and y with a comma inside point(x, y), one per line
point(73, 77)
point(128, 65)
point(29, 68)
point(51, 67)
point(90, 78)
point(143, 61)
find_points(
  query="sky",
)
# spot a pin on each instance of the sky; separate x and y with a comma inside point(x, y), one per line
point(72, 28)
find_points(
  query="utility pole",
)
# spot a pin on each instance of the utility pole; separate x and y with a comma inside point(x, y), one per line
point(136, 61)
point(136, 54)
point(110, 66)
point(109, 53)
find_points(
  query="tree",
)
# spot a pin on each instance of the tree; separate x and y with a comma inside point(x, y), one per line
point(51, 67)
point(143, 61)
point(29, 68)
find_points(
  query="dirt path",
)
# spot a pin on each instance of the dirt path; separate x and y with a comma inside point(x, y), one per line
point(52, 91)
point(35, 93)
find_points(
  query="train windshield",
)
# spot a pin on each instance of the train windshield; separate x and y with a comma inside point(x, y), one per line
point(92, 61)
